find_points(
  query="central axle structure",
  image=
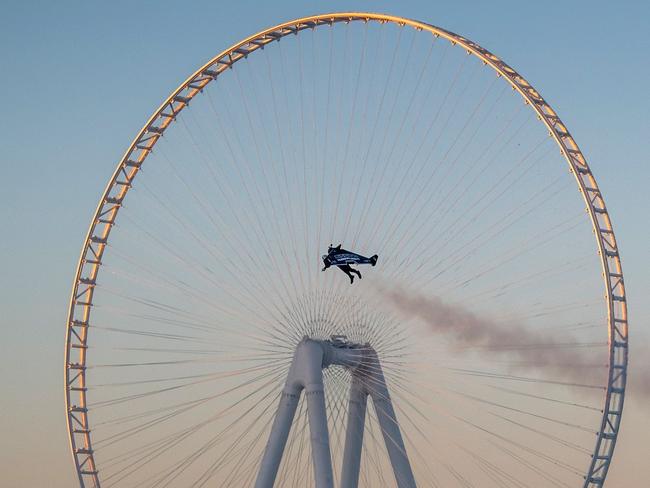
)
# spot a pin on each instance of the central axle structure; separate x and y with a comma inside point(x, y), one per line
point(367, 380)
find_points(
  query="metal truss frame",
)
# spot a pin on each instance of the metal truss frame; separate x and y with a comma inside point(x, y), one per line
point(94, 246)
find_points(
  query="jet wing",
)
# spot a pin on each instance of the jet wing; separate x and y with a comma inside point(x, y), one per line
point(346, 257)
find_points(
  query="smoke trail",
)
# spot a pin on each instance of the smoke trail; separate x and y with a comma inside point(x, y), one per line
point(527, 349)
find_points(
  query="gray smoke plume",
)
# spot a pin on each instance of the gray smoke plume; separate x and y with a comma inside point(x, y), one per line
point(525, 349)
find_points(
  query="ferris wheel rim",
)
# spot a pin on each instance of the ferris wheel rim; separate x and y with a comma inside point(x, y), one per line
point(105, 215)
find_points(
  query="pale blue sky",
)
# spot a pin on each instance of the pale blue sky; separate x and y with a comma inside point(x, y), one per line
point(80, 78)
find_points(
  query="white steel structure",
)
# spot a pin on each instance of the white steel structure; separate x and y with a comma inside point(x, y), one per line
point(306, 375)
point(360, 362)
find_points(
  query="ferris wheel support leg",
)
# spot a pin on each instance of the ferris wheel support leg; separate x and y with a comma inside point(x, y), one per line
point(389, 426)
point(278, 438)
point(319, 435)
point(305, 373)
point(354, 433)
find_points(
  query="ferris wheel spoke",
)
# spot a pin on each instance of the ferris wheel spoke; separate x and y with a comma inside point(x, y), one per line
point(257, 227)
point(541, 239)
point(174, 470)
point(411, 209)
point(341, 169)
point(524, 412)
point(188, 320)
point(180, 408)
point(447, 117)
point(488, 436)
point(466, 144)
point(556, 439)
point(287, 209)
point(466, 141)
point(420, 243)
point(480, 238)
point(384, 138)
point(274, 218)
point(543, 473)
point(186, 261)
point(448, 412)
point(177, 286)
point(498, 475)
point(451, 413)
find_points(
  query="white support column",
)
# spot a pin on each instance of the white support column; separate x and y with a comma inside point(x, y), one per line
point(306, 373)
point(307, 369)
point(388, 423)
point(354, 433)
point(278, 438)
point(319, 435)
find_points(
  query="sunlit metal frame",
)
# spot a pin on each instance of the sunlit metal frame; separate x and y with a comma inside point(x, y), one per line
point(81, 300)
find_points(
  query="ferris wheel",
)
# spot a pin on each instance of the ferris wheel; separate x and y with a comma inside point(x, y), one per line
point(211, 340)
